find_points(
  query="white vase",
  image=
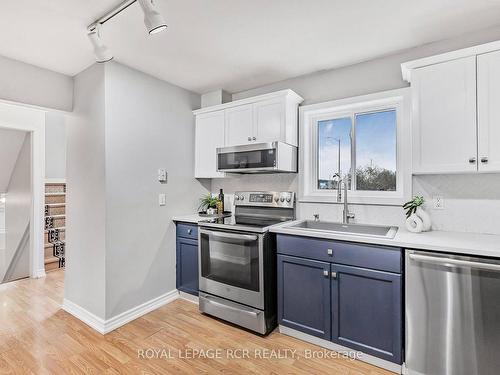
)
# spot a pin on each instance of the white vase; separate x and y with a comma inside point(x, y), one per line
point(426, 219)
point(414, 224)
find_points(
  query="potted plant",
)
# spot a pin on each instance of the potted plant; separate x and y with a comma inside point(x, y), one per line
point(417, 220)
point(208, 204)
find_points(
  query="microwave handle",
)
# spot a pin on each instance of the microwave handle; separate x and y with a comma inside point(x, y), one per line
point(234, 236)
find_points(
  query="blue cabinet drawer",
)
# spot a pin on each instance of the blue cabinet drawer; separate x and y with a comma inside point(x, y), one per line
point(352, 254)
point(187, 231)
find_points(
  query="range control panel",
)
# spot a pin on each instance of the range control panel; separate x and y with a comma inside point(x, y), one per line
point(265, 198)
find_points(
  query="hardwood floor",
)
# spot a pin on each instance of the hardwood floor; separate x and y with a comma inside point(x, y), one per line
point(37, 337)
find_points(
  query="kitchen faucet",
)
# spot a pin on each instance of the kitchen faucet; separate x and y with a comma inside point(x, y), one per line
point(346, 215)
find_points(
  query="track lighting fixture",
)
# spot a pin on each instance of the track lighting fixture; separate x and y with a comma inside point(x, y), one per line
point(101, 52)
point(152, 18)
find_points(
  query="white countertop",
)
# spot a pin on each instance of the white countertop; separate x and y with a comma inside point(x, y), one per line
point(193, 218)
point(448, 242)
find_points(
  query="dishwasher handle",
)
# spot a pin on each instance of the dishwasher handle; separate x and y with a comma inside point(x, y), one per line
point(450, 262)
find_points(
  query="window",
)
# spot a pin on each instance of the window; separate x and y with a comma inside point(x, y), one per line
point(362, 141)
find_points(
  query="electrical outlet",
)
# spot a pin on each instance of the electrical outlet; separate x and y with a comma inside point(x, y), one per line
point(162, 199)
point(438, 202)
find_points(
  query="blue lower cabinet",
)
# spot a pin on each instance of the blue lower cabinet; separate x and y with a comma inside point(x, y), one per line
point(367, 312)
point(304, 295)
point(187, 265)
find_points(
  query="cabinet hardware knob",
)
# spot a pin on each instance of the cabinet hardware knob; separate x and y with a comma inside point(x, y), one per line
point(484, 159)
point(249, 138)
point(325, 273)
point(190, 231)
point(254, 138)
point(334, 275)
point(472, 160)
point(329, 251)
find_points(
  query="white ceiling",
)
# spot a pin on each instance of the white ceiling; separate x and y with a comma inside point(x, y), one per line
point(235, 44)
point(10, 145)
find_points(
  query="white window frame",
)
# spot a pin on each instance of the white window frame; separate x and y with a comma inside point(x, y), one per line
point(308, 161)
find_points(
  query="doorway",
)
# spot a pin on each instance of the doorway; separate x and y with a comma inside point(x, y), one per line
point(16, 204)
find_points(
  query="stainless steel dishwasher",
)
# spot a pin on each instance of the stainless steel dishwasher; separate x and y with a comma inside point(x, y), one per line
point(452, 314)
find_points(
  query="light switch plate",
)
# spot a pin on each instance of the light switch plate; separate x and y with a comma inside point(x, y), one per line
point(438, 202)
point(162, 199)
point(162, 175)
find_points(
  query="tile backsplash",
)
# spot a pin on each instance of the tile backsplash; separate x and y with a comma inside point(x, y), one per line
point(471, 202)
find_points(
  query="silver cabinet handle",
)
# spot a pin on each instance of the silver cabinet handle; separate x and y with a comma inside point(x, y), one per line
point(334, 275)
point(325, 273)
point(254, 138)
point(484, 159)
point(249, 138)
point(249, 237)
point(450, 262)
point(329, 251)
point(472, 160)
point(190, 231)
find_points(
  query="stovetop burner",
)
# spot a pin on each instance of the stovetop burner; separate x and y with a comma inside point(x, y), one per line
point(256, 211)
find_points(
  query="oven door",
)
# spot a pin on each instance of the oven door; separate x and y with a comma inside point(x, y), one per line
point(231, 266)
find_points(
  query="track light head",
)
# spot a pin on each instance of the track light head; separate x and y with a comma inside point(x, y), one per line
point(101, 51)
point(152, 18)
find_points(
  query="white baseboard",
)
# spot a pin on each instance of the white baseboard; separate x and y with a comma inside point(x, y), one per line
point(138, 311)
point(105, 326)
point(339, 348)
point(38, 274)
point(84, 315)
point(188, 297)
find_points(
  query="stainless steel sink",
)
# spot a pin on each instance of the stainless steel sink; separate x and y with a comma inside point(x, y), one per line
point(349, 229)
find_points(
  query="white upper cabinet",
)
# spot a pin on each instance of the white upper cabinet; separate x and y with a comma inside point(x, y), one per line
point(209, 134)
point(444, 117)
point(269, 120)
point(488, 101)
point(456, 115)
point(239, 125)
point(264, 118)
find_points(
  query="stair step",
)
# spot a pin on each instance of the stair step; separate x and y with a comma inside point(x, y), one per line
point(52, 265)
point(51, 260)
point(55, 188)
point(55, 198)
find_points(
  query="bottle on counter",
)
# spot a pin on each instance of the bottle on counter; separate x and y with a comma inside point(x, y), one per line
point(220, 203)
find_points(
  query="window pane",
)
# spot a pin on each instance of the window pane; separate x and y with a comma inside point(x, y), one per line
point(330, 133)
point(376, 151)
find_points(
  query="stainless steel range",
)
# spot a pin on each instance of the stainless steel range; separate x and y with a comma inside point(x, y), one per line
point(237, 266)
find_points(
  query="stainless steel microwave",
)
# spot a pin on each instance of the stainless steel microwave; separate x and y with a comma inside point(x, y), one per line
point(271, 157)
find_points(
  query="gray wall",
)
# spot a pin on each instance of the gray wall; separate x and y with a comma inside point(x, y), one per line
point(121, 243)
point(18, 211)
point(86, 212)
point(465, 209)
point(55, 145)
point(149, 125)
point(29, 84)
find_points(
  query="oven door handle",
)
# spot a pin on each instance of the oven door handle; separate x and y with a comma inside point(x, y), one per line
point(234, 236)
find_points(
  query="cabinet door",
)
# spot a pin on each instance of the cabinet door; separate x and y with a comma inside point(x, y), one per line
point(269, 120)
point(444, 117)
point(209, 135)
point(488, 99)
point(304, 295)
point(366, 311)
point(239, 125)
point(187, 265)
